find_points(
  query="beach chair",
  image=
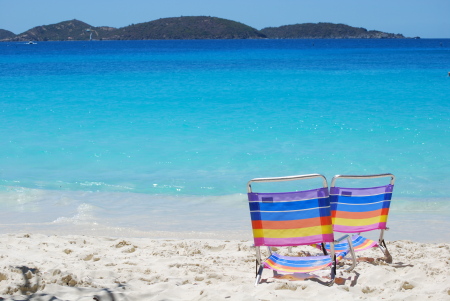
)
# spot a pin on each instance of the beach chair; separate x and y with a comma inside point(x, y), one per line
point(358, 210)
point(287, 219)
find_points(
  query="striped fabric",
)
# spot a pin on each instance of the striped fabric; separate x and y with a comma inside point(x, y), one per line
point(357, 210)
point(287, 264)
point(291, 218)
point(359, 243)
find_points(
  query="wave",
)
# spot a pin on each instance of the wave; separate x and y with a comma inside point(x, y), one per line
point(158, 215)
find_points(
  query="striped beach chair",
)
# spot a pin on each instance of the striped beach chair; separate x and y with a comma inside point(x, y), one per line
point(358, 210)
point(286, 219)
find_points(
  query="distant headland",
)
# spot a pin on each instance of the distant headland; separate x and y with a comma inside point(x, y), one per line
point(191, 28)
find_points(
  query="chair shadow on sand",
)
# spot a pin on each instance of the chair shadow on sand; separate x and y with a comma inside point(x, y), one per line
point(354, 280)
point(351, 280)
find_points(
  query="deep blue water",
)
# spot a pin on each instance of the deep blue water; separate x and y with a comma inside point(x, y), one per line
point(97, 123)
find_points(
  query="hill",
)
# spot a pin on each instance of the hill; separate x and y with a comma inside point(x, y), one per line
point(325, 31)
point(73, 30)
point(6, 34)
point(187, 28)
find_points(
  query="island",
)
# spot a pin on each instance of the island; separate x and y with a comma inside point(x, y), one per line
point(191, 28)
point(325, 31)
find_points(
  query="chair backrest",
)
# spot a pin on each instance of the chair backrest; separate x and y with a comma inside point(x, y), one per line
point(290, 218)
point(357, 210)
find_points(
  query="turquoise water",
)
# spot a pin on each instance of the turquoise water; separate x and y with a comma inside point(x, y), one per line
point(158, 135)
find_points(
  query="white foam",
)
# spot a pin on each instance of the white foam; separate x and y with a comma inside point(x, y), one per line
point(84, 215)
point(150, 215)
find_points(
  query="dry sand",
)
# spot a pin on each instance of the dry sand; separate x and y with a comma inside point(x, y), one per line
point(76, 267)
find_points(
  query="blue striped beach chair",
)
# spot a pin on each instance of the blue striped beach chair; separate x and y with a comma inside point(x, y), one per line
point(357, 210)
point(286, 219)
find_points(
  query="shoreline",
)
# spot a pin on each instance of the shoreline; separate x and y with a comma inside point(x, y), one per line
point(82, 267)
point(128, 215)
point(420, 227)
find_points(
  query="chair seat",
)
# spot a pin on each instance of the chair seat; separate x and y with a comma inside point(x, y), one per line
point(359, 243)
point(288, 264)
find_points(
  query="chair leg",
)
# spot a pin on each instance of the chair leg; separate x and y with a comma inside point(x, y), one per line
point(352, 252)
point(333, 272)
point(259, 274)
point(384, 249)
point(324, 250)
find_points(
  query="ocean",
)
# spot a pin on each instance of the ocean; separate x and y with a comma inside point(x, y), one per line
point(159, 138)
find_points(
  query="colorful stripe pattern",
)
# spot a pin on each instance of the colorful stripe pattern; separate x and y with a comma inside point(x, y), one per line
point(357, 210)
point(286, 264)
point(291, 218)
point(359, 243)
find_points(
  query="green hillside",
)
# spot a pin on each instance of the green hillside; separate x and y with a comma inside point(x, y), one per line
point(325, 31)
point(6, 34)
point(182, 28)
point(189, 28)
point(73, 30)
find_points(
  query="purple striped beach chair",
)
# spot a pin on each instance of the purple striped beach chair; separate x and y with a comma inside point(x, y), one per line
point(358, 210)
point(286, 219)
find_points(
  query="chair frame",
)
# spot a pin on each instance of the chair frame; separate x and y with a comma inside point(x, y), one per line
point(381, 242)
point(260, 263)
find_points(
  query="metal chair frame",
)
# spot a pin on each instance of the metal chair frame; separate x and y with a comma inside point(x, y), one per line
point(381, 242)
point(260, 263)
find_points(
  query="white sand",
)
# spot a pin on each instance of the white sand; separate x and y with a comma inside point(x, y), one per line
point(74, 267)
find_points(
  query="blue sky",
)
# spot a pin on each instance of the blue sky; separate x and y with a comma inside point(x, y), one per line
point(424, 18)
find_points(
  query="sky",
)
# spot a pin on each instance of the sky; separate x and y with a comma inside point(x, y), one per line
point(423, 18)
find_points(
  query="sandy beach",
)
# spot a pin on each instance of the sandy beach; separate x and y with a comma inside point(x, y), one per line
point(78, 267)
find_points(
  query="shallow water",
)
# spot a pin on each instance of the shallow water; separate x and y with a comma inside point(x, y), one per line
point(163, 135)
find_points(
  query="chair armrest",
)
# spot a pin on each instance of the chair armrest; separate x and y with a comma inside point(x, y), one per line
point(341, 238)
